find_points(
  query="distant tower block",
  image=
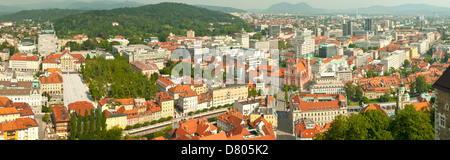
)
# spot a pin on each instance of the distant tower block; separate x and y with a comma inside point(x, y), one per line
point(190, 33)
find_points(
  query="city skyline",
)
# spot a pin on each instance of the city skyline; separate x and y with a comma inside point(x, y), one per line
point(262, 4)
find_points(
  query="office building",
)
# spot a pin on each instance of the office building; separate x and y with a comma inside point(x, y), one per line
point(303, 43)
point(274, 30)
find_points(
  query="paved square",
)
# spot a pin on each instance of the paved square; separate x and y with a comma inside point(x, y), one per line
point(74, 89)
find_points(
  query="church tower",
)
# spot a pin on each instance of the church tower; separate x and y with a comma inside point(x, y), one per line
point(403, 97)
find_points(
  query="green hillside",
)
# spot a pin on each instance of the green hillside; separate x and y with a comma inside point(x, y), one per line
point(150, 20)
point(39, 15)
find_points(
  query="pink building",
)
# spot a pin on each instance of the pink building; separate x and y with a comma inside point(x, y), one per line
point(146, 69)
point(298, 73)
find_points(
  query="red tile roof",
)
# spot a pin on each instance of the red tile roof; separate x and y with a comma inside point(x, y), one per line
point(80, 107)
point(24, 57)
point(24, 108)
point(54, 58)
point(298, 102)
point(60, 113)
point(52, 78)
point(374, 106)
point(5, 102)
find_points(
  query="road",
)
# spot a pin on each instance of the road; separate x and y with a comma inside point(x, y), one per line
point(74, 89)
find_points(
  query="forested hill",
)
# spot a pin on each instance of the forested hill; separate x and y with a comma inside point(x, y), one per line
point(150, 20)
point(39, 15)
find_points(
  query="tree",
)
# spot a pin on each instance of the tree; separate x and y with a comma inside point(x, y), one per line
point(411, 124)
point(72, 126)
point(46, 118)
point(421, 84)
point(412, 87)
point(365, 100)
point(337, 129)
point(379, 125)
point(349, 90)
point(103, 121)
point(98, 118)
point(86, 122)
point(385, 97)
point(406, 63)
point(92, 122)
point(352, 45)
point(114, 133)
point(79, 123)
point(392, 70)
point(371, 74)
point(358, 93)
point(357, 127)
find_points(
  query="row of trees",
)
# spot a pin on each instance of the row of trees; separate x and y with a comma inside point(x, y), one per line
point(409, 124)
point(92, 127)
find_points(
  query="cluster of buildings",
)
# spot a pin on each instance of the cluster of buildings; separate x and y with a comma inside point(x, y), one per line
point(230, 126)
point(17, 121)
point(327, 53)
point(337, 50)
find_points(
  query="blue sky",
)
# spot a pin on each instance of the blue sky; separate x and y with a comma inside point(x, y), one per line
point(262, 4)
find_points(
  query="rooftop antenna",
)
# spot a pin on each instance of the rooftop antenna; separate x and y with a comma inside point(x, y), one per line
point(356, 12)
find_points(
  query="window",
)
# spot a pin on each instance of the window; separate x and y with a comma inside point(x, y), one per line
point(442, 121)
point(446, 107)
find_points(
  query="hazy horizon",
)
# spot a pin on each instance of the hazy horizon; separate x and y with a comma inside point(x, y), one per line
point(264, 4)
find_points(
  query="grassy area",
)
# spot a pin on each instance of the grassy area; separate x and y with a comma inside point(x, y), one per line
point(351, 103)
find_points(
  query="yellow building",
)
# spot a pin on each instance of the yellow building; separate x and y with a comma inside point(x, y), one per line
point(9, 114)
point(118, 119)
point(269, 117)
point(166, 102)
point(19, 129)
point(52, 84)
point(227, 94)
point(200, 88)
point(375, 93)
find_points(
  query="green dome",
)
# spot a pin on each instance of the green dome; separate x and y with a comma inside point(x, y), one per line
point(406, 95)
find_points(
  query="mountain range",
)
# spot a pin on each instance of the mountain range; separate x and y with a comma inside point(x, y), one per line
point(405, 9)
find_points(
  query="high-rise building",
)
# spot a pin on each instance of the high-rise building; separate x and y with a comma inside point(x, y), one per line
point(328, 50)
point(368, 25)
point(318, 31)
point(274, 30)
point(243, 38)
point(347, 28)
point(303, 42)
point(47, 40)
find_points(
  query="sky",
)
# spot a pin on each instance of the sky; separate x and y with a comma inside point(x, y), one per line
point(263, 4)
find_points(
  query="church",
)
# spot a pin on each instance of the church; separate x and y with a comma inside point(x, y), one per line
point(66, 61)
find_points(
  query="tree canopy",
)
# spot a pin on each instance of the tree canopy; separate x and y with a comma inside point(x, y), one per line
point(117, 78)
point(409, 124)
point(154, 20)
